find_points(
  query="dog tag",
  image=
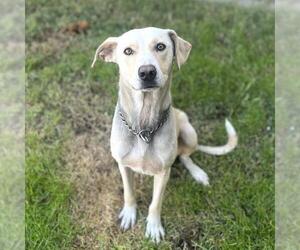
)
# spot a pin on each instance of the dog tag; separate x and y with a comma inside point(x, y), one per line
point(145, 135)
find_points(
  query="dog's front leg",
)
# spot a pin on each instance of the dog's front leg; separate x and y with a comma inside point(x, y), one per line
point(128, 213)
point(154, 228)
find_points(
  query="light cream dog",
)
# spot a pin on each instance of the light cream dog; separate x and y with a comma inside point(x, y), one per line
point(147, 132)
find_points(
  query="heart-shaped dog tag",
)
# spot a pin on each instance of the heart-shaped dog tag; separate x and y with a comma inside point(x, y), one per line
point(145, 135)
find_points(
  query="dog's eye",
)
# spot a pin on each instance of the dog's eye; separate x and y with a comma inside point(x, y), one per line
point(160, 47)
point(128, 51)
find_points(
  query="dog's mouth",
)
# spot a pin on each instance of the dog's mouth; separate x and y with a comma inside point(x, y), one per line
point(148, 86)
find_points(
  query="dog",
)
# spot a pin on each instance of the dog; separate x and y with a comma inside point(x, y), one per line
point(148, 133)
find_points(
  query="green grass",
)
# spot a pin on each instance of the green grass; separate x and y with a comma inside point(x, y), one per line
point(230, 73)
point(48, 224)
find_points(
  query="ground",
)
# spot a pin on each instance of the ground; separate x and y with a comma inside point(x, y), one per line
point(73, 187)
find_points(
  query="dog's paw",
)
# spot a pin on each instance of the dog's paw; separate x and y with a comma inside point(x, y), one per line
point(154, 229)
point(127, 217)
point(200, 176)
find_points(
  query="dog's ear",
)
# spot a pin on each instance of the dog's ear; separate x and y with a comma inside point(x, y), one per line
point(181, 48)
point(106, 50)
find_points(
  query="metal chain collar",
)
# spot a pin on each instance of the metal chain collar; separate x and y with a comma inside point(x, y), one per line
point(147, 134)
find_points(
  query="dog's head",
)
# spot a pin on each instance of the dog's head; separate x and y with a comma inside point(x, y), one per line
point(145, 56)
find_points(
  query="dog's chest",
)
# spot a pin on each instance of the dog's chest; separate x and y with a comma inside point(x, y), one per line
point(145, 158)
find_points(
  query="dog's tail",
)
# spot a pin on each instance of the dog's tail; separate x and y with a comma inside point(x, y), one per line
point(228, 147)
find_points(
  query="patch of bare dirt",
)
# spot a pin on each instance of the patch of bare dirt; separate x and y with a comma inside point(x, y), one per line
point(77, 27)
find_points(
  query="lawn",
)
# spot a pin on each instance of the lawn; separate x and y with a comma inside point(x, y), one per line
point(73, 188)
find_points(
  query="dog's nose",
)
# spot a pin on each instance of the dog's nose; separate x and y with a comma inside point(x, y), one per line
point(147, 72)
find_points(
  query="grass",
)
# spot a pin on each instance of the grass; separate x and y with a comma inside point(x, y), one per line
point(73, 188)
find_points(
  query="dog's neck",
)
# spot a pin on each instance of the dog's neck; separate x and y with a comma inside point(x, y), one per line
point(143, 109)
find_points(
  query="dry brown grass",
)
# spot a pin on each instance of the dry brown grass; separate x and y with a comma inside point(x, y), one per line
point(93, 172)
point(98, 192)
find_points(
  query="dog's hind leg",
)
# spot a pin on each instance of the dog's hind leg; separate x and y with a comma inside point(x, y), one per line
point(198, 174)
point(187, 144)
point(128, 213)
